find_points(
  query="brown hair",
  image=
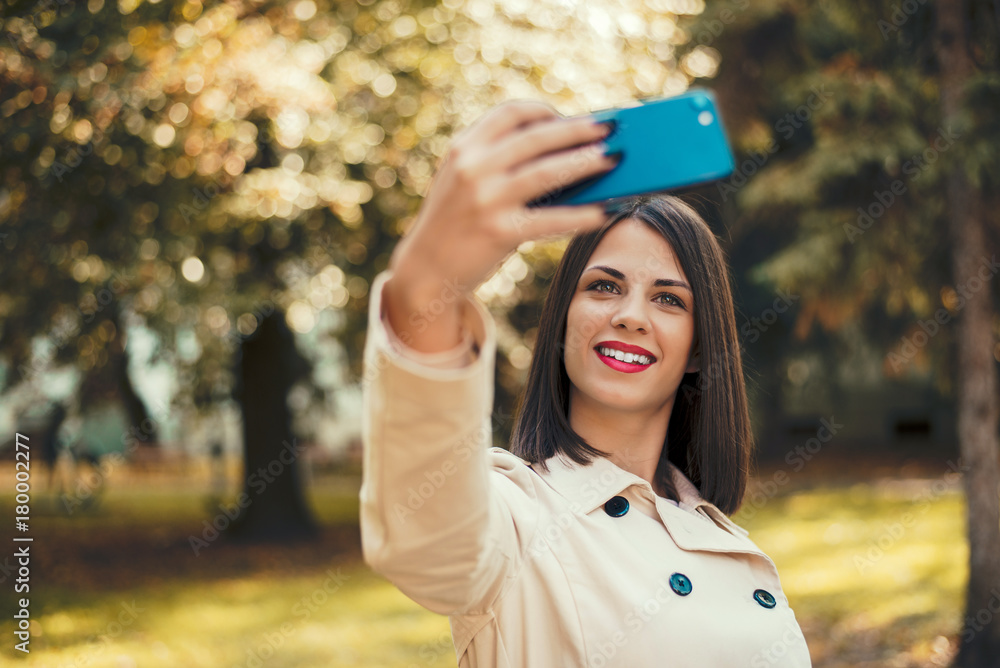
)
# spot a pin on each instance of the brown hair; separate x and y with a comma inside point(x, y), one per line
point(710, 438)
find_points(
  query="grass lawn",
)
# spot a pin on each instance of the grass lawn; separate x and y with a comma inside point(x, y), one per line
point(874, 572)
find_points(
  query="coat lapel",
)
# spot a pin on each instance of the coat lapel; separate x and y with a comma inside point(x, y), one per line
point(694, 524)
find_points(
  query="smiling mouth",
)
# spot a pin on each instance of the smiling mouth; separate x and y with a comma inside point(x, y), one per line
point(631, 359)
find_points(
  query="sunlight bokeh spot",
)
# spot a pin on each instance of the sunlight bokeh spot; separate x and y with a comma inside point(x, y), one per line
point(164, 135)
point(301, 317)
point(192, 269)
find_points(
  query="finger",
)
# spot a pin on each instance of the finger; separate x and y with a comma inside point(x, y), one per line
point(544, 137)
point(552, 173)
point(553, 221)
point(510, 115)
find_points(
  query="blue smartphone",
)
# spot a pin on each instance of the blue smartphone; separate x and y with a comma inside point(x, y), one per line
point(665, 144)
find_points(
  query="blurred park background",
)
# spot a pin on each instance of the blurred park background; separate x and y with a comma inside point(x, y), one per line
point(196, 196)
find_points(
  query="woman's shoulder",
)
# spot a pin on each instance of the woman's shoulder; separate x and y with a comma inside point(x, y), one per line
point(516, 475)
point(508, 464)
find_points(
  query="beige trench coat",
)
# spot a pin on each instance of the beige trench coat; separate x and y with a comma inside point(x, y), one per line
point(530, 566)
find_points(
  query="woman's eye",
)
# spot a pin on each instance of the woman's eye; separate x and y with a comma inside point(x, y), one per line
point(673, 300)
point(597, 285)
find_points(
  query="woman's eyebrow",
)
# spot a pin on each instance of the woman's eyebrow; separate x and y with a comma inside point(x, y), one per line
point(659, 282)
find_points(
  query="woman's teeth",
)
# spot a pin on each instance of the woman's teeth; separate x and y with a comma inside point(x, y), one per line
point(629, 358)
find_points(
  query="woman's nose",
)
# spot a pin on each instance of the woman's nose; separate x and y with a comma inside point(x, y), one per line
point(631, 311)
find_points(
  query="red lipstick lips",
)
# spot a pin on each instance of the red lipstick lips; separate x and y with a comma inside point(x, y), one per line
point(617, 365)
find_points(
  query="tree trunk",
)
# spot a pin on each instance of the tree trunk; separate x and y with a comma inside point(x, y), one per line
point(111, 382)
point(273, 505)
point(978, 408)
point(144, 427)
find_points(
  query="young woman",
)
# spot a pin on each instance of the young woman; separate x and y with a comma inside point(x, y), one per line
point(601, 538)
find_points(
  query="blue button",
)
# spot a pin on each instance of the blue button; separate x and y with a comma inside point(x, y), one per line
point(764, 598)
point(616, 506)
point(680, 584)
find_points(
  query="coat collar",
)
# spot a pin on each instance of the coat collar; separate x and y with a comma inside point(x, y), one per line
point(589, 486)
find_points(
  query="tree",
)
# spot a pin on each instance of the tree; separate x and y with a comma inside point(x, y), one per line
point(849, 160)
point(978, 398)
point(274, 507)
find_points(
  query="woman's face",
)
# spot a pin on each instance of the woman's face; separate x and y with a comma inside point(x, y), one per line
point(631, 295)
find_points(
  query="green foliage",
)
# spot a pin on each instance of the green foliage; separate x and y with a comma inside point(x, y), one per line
point(841, 100)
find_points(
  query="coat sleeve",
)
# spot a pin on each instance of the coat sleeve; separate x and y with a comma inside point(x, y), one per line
point(435, 519)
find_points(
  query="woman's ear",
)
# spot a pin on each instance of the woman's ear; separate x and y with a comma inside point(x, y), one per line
point(694, 359)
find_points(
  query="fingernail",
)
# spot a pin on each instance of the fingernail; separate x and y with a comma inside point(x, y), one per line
point(607, 126)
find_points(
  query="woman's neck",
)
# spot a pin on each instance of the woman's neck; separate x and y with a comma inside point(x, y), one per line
point(633, 441)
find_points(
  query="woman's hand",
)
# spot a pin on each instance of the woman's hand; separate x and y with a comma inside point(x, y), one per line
point(475, 213)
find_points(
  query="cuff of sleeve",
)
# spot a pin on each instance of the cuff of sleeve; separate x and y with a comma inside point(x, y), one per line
point(459, 356)
point(462, 355)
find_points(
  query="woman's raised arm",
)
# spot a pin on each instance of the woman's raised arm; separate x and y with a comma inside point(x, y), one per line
point(474, 215)
point(437, 518)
